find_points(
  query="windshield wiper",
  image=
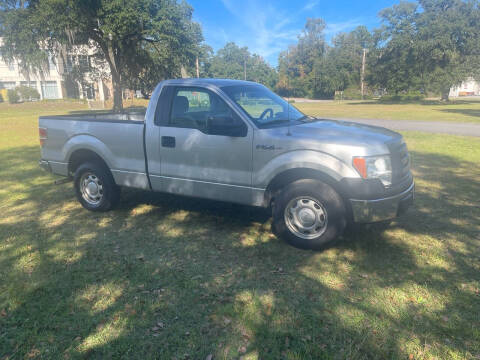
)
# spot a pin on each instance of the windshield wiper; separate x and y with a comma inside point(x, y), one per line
point(306, 118)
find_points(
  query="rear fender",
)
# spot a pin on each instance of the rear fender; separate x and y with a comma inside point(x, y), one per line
point(89, 142)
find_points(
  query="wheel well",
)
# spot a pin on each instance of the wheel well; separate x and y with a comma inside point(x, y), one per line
point(289, 176)
point(82, 156)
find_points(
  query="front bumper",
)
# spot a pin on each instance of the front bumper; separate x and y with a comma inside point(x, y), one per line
point(370, 211)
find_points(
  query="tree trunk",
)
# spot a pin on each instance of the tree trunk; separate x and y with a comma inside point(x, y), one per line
point(117, 93)
point(116, 82)
point(107, 49)
point(446, 94)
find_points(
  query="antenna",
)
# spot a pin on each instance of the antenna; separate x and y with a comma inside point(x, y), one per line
point(288, 95)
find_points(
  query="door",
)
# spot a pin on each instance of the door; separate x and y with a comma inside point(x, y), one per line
point(205, 147)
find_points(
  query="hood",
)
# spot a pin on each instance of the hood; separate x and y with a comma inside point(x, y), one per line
point(345, 131)
point(341, 139)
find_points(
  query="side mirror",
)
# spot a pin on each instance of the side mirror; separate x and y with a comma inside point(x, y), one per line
point(226, 126)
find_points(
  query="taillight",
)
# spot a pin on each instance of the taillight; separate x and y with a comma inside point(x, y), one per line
point(42, 133)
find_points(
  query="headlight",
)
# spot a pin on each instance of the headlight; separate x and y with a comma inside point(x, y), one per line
point(374, 167)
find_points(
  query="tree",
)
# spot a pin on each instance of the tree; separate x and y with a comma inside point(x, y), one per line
point(344, 58)
point(393, 58)
point(314, 69)
point(142, 41)
point(430, 45)
point(234, 62)
point(297, 75)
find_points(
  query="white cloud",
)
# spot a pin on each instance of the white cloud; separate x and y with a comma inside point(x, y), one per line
point(310, 5)
point(334, 28)
point(267, 30)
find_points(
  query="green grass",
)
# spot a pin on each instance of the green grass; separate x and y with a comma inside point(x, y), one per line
point(455, 111)
point(177, 278)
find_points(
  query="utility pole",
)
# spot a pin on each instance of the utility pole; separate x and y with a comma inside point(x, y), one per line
point(363, 72)
point(198, 69)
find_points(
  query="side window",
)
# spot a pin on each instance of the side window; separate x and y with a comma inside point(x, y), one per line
point(197, 108)
point(190, 108)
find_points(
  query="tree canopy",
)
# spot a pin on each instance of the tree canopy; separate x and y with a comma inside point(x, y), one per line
point(234, 62)
point(425, 45)
point(142, 41)
point(431, 45)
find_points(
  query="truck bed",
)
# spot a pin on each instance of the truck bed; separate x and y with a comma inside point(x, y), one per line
point(116, 138)
point(101, 117)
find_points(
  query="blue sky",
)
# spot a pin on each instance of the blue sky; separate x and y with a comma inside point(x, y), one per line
point(268, 27)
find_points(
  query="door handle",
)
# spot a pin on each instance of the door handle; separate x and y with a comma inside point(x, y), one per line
point(168, 141)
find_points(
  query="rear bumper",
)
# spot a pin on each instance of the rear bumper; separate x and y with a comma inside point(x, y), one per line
point(370, 211)
point(45, 165)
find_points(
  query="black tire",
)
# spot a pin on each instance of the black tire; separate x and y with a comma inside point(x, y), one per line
point(322, 194)
point(110, 194)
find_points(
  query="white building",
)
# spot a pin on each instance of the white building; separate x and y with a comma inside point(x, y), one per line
point(55, 82)
point(470, 87)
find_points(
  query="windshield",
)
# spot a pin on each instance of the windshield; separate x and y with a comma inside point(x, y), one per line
point(264, 107)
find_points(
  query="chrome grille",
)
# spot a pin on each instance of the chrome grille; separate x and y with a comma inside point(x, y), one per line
point(400, 161)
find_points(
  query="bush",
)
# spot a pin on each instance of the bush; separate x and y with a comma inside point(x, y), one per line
point(27, 93)
point(3, 94)
point(407, 97)
point(1, 98)
point(13, 97)
point(353, 93)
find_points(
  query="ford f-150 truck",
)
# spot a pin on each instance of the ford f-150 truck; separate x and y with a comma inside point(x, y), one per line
point(239, 142)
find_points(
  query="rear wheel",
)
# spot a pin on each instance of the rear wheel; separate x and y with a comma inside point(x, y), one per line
point(95, 188)
point(309, 214)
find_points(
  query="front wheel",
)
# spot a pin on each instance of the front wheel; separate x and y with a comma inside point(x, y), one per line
point(95, 187)
point(309, 214)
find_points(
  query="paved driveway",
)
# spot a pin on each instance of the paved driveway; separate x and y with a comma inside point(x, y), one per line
point(466, 129)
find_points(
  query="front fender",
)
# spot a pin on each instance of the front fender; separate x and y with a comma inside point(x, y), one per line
point(306, 159)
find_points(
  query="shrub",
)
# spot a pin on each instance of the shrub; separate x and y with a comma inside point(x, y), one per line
point(13, 97)
point(27, 93)
point(407, 97)
point(353, 93)
point(3, 94)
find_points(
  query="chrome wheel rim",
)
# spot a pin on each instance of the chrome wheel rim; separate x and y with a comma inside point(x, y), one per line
point(306, 217)
point(91, 188)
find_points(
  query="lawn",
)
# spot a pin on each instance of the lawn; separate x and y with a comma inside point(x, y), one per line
point(176, 278)
point(457, 111)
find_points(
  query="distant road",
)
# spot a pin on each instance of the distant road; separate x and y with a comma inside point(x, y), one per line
point(452, 128)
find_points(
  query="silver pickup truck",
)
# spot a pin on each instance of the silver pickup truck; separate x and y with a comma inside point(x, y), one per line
point(239, 142)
